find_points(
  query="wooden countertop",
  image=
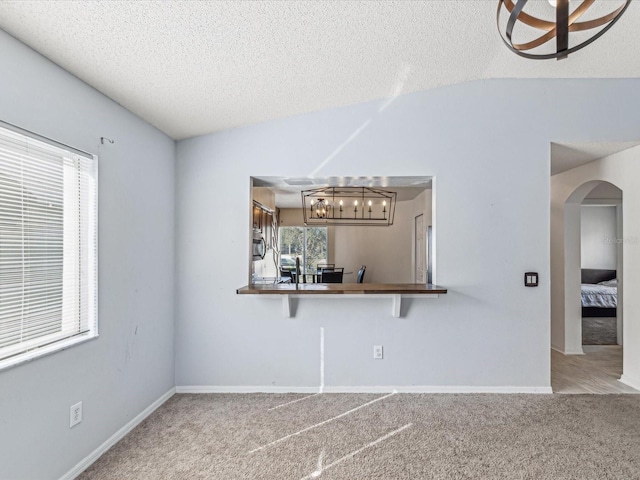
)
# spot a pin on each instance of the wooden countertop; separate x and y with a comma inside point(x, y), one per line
point(342, 288)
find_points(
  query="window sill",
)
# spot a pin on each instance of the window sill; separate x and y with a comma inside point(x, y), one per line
point(44, 351)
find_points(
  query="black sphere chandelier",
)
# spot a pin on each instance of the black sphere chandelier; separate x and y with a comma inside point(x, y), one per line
point(543, 30)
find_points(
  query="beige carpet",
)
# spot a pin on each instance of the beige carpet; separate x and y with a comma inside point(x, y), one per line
point(367, 436)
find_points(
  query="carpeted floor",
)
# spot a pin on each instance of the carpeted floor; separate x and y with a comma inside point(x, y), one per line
point(376, 436)
point(599, 331)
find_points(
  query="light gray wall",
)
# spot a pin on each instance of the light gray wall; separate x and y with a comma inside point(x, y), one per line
point(131, 364)
point(598, 237)
point(488, 145)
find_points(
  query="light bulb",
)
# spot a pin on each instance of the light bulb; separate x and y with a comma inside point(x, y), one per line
point(369, 202)
point(312, 202)
point(341, 203)
point(384, 203)
point(356, 203)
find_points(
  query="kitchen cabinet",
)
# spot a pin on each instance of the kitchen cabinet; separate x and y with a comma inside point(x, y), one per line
point(257, 217)
point(268, 229)
point(263, 223)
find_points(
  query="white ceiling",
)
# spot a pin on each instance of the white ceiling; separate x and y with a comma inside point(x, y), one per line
point(287, 190)
point(194, 67)
point(565, 156)
point(604, 191)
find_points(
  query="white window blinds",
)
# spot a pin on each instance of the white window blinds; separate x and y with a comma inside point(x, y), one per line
point(48, 240)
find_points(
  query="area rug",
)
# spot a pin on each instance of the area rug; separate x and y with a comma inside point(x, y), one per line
point(599, 331)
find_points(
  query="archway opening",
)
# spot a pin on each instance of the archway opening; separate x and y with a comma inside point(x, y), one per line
point(592, 358)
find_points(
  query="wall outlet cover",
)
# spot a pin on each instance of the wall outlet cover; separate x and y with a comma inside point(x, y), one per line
point(75, 414)
point(377, 352)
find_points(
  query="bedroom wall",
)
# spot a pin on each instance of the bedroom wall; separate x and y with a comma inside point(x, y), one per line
point(598, 237)
point(131, 364)
point(492, 216)
point(567, 190)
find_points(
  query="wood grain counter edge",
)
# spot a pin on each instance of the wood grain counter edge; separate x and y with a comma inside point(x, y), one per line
point(342, 289)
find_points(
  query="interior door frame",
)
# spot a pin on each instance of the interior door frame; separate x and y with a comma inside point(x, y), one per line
point(416, 249)
point(429, 254)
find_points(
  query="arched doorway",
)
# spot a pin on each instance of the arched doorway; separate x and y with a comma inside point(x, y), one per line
point(594, 369)
point(573, 260)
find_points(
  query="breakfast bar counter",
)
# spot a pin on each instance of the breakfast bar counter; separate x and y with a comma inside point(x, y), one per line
point(395, 291)
point(342, 288)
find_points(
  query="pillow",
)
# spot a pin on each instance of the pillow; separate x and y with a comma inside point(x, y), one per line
point(610, 283)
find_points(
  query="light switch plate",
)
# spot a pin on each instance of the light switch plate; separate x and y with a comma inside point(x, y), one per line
point(531, 279)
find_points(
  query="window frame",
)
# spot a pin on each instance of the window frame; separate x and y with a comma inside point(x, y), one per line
point(304, 244)
point(20, 353)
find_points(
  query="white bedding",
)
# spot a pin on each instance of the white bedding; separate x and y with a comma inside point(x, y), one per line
point(601, 296)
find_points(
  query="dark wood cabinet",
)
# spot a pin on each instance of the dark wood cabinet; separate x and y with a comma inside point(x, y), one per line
point(263, 223)
point(267, 228)
point(257, 218)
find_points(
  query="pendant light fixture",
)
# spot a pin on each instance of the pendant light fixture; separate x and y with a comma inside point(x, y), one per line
point(560, 26)
point(348, 206)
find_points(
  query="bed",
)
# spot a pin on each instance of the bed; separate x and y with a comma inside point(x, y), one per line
point(599, 293)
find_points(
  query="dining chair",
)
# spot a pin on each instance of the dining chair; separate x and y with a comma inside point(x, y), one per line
point(333, 275)
point(360, 278)
point(320, 267)
point(286, 273)
point(326, 265)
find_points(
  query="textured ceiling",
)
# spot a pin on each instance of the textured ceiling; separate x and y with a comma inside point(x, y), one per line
point(191, 68)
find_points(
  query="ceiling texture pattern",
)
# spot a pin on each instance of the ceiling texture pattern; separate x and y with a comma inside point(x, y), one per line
point(192, 68)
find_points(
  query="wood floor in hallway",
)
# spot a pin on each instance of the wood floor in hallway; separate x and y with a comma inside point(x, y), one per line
point(597, 371)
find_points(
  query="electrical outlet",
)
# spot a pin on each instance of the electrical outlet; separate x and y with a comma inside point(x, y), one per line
point(75, 414)
point(377, 351)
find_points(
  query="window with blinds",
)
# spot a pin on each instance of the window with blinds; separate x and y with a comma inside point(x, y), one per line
point(48, 246)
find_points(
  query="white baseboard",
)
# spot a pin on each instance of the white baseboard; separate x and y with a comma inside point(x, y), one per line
point(568, 352)
point(363, 389)
point(438, 389)
point(631, 382)
point(116, 437)
point(243, 389)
